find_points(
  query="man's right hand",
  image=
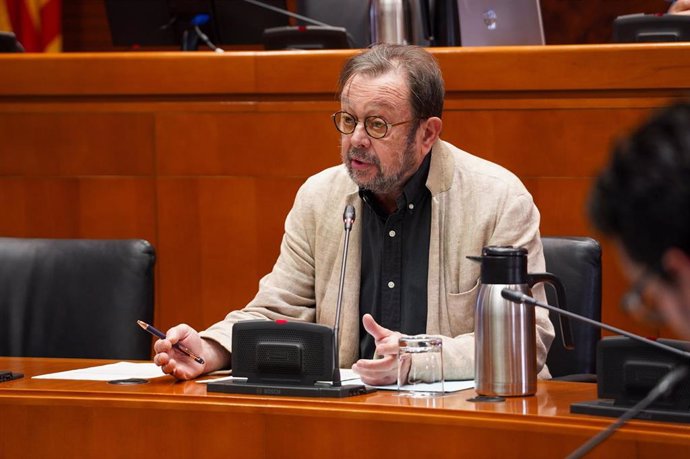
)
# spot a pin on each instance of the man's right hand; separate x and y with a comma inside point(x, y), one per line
point(680, 7)
point(176, 363)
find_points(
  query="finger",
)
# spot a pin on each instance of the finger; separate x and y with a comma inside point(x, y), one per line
point(177, 333)
point(376, 374)
point(373, 328)
point(388, 346)
point(169, 367)
point(162, 346)
point(161, 359)
point(383, 365)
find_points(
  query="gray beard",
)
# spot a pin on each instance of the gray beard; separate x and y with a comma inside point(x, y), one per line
point(382, 183)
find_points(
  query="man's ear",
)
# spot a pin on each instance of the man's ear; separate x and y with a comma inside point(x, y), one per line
point(431, 132)
point(676, 264)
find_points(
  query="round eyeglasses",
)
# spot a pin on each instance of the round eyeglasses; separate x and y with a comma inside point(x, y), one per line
point(375, 126)
point(637, 302)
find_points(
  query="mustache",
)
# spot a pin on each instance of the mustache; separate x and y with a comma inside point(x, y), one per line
point(359, 154)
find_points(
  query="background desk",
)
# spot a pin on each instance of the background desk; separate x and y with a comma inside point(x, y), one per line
point(202, 153)
point(164, 418)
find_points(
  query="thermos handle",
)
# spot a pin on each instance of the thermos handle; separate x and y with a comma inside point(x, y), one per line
point(566, 330)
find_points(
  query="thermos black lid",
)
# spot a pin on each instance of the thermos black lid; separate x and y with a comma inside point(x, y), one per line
point(504, 264)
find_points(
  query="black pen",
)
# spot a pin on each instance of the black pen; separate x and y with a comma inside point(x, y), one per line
point(184, 349)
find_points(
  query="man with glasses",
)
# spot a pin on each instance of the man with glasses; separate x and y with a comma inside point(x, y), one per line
point(642, 200)
point(422, 207)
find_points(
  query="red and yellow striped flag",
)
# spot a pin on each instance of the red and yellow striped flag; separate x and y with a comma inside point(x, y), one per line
point(36, 23)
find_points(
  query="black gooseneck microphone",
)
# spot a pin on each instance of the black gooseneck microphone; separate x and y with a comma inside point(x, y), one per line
point(286, 13)
point(348, 221)
point(298, 16)
point(663, 387)
point(519, 297)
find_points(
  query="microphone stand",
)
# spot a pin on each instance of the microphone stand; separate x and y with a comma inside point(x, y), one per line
point(287, 13)
point(348, 220)
point(665, 385)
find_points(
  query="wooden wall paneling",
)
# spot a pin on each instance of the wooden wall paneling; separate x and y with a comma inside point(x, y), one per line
point(71, 207)
point(312, 72)
point(246, 143)
point(117, 207)
point(67, 141)
point(546, 142)
point(495, 71)
point(39, 207)
point(217, 237)
point(123, 74)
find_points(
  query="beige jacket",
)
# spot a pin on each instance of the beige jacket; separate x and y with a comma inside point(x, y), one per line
point(474, 203)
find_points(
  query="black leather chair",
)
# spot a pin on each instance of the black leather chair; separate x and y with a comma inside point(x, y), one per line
point(577, 263)
point(75, 298)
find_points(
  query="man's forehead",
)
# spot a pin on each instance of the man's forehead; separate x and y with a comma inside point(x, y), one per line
point(386, 90)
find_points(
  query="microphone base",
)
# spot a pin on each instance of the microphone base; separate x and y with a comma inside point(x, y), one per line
point(319, 390)
point(605, 407)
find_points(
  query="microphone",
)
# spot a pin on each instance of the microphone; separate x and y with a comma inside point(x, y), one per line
point(348, 221)
point(519, 297)
point(663, 387)
point(306, 19)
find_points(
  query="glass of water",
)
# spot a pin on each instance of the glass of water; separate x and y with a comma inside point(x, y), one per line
point(420, 366)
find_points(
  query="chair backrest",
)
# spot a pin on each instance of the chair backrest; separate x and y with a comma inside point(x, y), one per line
point(75, 298)
point(576, 261)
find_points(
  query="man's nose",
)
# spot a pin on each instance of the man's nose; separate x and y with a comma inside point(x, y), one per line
point(359, 137)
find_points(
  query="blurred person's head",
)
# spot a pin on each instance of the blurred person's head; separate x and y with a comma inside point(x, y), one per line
point(642, 201)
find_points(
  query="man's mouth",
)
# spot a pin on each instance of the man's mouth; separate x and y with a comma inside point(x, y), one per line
point(359, 161)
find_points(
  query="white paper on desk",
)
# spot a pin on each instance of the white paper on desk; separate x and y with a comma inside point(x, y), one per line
point(109, 372)
point(348, 376)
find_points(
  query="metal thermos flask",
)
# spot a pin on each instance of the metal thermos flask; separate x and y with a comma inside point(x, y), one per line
point(505, 332)
point(389, 21)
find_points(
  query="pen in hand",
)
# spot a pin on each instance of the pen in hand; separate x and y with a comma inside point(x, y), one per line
point(182, 348)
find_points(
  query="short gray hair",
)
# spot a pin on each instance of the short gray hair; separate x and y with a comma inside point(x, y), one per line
point(423, 74)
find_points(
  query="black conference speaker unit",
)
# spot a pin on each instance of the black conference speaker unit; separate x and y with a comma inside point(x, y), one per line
point(651, 28)
point(627, 370)
point(284, 358)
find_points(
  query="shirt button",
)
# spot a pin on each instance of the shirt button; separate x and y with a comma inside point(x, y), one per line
point(391, 284)
point(391, 233)
point(410, 206)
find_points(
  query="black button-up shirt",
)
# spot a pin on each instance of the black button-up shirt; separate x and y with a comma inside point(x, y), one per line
point(395, 260)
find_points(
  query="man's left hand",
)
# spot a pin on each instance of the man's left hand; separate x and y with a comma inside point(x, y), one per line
point(382, 370)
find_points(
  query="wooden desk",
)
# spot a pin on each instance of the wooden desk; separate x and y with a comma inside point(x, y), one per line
point(52, 418)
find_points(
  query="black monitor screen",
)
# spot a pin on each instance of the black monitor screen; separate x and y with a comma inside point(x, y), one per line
point(239, 22)
point(163, 22)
